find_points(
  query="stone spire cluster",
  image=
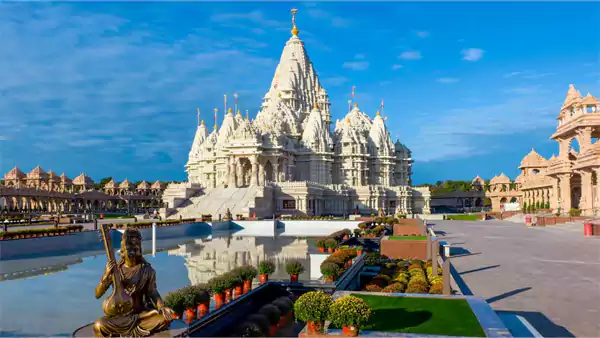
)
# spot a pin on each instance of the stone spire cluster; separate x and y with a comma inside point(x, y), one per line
point(291, 138)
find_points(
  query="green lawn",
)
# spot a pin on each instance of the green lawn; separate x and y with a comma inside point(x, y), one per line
point(451, 317)
point(408, 238)
point(468, 217)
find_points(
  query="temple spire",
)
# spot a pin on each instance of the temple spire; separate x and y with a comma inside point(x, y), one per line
point(295, 30)
point(198, 115)
point(216, 111)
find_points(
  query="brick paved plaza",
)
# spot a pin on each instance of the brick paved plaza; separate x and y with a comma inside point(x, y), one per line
point(550, 276)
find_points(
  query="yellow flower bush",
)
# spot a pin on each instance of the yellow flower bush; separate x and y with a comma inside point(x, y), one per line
point(349, 311)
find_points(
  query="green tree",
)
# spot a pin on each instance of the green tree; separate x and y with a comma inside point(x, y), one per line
point(100, 185)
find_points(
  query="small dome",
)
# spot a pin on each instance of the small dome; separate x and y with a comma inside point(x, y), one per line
point(533, 160)
point(500, 179)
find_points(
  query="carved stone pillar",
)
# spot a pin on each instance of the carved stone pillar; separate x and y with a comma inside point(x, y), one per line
point(261, 174)
point(232, 172)
point(586, 205)
point(563, 148)
point(554, 196)
point(240, 176)
point(597, 199)
point(253, 177)
point(565, 192)
point(584, 138)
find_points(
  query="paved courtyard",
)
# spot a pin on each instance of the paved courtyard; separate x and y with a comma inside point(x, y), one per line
point(550, 276)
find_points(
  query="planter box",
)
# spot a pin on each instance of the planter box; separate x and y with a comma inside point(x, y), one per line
point(408, 230)
point(404, 249)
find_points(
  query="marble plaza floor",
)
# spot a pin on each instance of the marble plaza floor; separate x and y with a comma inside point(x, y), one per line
point(550, 276)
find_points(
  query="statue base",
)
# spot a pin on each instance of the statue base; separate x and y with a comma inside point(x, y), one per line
point(178, 328)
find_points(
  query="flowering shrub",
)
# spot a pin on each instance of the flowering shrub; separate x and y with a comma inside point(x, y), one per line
point(373, 288)
point(349, 311)
point(436, 289)
point(395, 287)
point(266, 267)
point(313, 306)
point(329, 269)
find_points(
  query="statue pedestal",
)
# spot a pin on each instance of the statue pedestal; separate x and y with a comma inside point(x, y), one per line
point(178, 328)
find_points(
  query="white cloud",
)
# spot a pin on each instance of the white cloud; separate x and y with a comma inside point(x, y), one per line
point(460, 132)
point(527, 74)
point(396, 67)
point(472, 54)
point(335, 21)
point(511, 74)
point(75, 82)
point(356, 65)
point(422, 34)
point(411, 55)
point(335, 81)
point(359, 56)
point(447, 80)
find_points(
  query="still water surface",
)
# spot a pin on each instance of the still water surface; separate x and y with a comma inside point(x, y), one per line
point(56, 300)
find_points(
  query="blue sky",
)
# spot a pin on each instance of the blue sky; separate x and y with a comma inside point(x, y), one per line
point(112, 88)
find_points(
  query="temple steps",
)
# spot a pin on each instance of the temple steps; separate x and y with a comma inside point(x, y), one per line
point(215, 201)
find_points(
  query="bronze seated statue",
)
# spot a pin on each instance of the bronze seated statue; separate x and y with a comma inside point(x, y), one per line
point(135, 308)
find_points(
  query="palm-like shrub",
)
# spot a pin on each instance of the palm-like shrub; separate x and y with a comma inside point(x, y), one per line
point(349, 311)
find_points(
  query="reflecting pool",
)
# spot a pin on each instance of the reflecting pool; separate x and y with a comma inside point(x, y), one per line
point(54, 295)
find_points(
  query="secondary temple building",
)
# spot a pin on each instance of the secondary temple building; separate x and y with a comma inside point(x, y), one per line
point(561, 183)
point(43, 191)
point(289, 161)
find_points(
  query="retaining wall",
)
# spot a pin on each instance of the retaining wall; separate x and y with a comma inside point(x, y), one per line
point(314, 228)
point(403, 249)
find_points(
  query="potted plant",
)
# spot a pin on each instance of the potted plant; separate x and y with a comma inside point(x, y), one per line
point(217, 287)
point(265, 268)
point(174, 301)
point(330, 244)
point(202, 300)
point(357, 232)
point(273, 315)
point(285, 305)
point(248, 273)
point(321, 245)
point(349, 313)
point(313, 308)
point(294, 268)
point(250, 329)
point(347, 233)
point(330, 271)
point(237, 282)
point(359, 250)
point(190, 295)
point(261, 321)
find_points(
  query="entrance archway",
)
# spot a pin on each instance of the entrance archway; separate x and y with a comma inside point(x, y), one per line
point(575, 191)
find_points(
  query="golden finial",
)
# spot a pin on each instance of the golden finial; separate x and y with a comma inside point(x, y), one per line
point(215, 127)
point(278, 94)
point(238, 113)
point(356, 105)
point(316, 106)
point(295, 30)
point(378, 113)
point(202, 122)
point(347, 120)
point(229, 111)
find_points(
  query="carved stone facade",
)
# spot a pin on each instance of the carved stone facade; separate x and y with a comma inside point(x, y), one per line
point(39, 190)
point(565, 181)
point(290, 149)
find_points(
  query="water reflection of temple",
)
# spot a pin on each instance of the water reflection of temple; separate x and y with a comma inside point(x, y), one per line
point(206, 258)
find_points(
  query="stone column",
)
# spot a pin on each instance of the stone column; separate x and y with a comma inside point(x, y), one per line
point(253, 177)
point(565, 192)
point(232, 172)
point(261, 174)
point(586, 193)
point(240, 176)
point(597, 201)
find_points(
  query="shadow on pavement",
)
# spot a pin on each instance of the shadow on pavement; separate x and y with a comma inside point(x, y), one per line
point(507, 294)
point(541, 323)
point(464, 288)
point(479, 269)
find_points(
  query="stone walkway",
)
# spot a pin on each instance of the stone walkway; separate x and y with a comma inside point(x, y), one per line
point(548, 275)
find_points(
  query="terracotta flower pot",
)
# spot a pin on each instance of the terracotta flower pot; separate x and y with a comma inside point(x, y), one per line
point(350, 331)
point(294, 278)
point(330, 250)
point(314, 328)
point(247, 286)
point(219, 298)
point(273, 331)
point(190, 316)
point(227, 295)
point(282, 321)
point(263, 278)
point(237, 291)
point(202, 309)
point(321, 249)
point(330, 279)
point(358, 252)
point(176, 316)
point(345, 236)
